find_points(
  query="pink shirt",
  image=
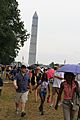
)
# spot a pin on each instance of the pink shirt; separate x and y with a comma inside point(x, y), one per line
point(50, 73)
point(68, 90)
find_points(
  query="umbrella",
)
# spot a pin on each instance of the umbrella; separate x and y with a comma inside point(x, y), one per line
point(33, 66)
point(73, 68)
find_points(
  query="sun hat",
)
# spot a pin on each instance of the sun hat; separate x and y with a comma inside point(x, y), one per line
point(38, 68)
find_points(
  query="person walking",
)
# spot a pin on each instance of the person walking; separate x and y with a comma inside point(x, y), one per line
point(69, 87)
point(57, 79)
point(38, 76)
point(22, 84)
point(1, 85)
point(43, 89)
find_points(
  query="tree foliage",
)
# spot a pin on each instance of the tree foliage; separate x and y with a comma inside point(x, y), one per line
point(12, 32)
point(51, 65)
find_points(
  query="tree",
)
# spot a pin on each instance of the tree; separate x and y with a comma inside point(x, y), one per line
point(51, 65)
point(12, 32)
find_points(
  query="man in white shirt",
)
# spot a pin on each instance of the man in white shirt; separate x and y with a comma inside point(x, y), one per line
point(58, 78)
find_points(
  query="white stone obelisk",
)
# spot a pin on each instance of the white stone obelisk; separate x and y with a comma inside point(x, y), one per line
point(33, 41)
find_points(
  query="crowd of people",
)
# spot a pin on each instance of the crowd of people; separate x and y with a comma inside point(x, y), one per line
point(48, 84)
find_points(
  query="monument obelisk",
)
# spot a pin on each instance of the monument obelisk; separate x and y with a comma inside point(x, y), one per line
point(33, 41)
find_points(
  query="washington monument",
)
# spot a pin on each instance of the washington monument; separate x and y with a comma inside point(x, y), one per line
point(33, 41)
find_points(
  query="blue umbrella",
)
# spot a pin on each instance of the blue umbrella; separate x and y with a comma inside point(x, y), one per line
point(73, 68)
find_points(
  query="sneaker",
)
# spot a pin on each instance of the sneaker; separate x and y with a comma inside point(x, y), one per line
point(42, 113)
point(51, 105)
point(60, 103)
point(17, 111)
point(23, 114)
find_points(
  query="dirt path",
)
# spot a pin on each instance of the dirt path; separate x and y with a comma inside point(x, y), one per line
point(7, 108)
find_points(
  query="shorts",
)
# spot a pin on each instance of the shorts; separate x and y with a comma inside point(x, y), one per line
point(57, 83)
point(21, 97)
point(42, 93)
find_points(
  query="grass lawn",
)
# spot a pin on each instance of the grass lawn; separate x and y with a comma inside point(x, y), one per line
point(7, 107)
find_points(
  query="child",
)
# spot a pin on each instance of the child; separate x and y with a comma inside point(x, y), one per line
point(43, 86)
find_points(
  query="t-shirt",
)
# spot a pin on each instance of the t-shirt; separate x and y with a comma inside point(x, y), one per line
point(38, 77)
point(22, 82)
point(50, 73)
point(43, 85)
point(57, 81)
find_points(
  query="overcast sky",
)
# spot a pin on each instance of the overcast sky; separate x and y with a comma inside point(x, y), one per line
point(58, 30)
